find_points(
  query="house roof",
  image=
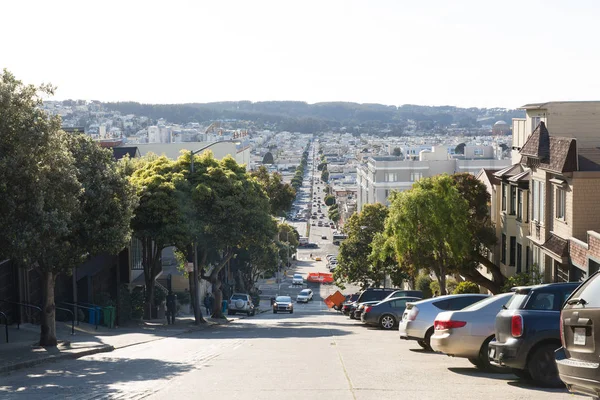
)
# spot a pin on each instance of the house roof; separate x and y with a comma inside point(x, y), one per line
point(557, 154)
point(523, 177)
point(511, 170)
point(120, 152)
point(489, 175)
point(557, 245)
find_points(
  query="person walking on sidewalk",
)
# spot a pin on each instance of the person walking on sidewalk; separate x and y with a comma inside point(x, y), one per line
point(171, 308)
point(208, 304)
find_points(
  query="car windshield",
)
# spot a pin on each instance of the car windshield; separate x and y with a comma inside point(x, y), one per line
point(516, 301)
point(297, 276)
point(499, 300)
point(238, 297)
point(283, 299)
point(304, 292)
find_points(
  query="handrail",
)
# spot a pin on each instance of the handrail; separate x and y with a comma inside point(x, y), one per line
point(72, 318)
point(24, 305)
point(87, 308)
point(5, 324)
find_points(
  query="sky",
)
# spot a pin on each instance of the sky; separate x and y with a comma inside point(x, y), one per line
point(430, 52)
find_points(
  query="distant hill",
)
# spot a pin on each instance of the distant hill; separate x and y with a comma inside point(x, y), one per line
point(303, 117)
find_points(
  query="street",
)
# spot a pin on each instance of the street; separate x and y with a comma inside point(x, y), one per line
point(313, 353)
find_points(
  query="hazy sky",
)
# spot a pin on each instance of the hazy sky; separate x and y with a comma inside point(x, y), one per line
point(439, 52)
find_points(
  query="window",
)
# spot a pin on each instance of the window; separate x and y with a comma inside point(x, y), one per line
point(519, 256)
point(398, 304)
point(503, 250)
point(503, 197)
point(590, 292)
point(387, 193)
point(520, 205)
point(561, 203)
point(390, 177)
point(415, 176)
point(461, 302)
point(513, 247)
point(478, 151)
point(538, 201)
point(513, 199)
point(541, 301)
point(535, 121)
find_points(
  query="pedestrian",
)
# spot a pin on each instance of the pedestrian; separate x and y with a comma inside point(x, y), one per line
point(207, 303)
point(209, 307)
point(171, 308)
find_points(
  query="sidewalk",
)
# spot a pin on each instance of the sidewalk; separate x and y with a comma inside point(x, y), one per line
point(22, 350)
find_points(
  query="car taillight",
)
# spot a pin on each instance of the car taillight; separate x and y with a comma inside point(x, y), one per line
point(368, 308)
point(562, 330)
point(412, 315)
point(444, 325)
point(516, 326)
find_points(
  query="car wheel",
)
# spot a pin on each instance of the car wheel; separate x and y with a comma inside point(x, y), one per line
point(475, 362)
point(274, 312)
point(427, 339)
point(521, 373)
point(387, 322)
point(248, 313)
point(291, 311)
point(422, 344)
point(542, 366)
point(352, 315)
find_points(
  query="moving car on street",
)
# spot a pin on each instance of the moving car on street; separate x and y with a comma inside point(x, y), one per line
point(577, 359)
point(527, 332)
point(418, 318)
point(283, 304)
point(240, 303)
point(297, 279)
point(466, 333)
point(386, 313)
point(304, 296)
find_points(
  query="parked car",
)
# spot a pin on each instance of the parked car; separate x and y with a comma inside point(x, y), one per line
point(324, 237)
point(577, 359)
point(357, 313)
point(240, 303)
point(527, 332)
point(350, 299)
point(304, 296)
point(370, 294)
point(417, 320)
point(297, 279)
point(283, 304)
point(386, 313)
point(405, 293)
point(467, 333)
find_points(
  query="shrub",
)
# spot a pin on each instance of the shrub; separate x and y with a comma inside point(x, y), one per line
point(434, 286)
point(183, 297)
point(467, 287)
point(423, 283)
point(523, 279)
point(451, 285)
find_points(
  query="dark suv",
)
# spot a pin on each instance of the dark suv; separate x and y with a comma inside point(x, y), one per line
point(370, 294)
point(577, 359)
point(527, 332)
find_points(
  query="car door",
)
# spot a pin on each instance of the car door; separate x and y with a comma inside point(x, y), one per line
point(398, 307)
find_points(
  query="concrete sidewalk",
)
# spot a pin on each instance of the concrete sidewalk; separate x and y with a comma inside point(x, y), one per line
point(23, 351)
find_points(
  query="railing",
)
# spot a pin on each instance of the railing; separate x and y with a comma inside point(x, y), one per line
point(5, 324)
point(94, 308)
point(72, 318)
point(24, 305)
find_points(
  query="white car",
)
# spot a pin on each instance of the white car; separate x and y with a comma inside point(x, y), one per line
point(304, 296)
point(297, 279)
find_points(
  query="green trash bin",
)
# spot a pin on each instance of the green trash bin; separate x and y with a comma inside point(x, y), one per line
point(109, 316)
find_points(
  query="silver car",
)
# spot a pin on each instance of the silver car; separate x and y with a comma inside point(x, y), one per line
point(467, 333)
point(304, 296)
point(417, 320)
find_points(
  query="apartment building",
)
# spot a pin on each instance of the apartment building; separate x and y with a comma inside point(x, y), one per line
point(380, 175)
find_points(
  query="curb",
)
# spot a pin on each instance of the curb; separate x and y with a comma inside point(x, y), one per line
point(58, 357)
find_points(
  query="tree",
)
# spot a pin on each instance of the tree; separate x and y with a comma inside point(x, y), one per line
point(466, 287)
point(427, 225)
point(324, 175)
point(70, 204)
point(329, 200)
point(321, 166)
point(268, 158)
point(160, 218)
point(231, 212)
point(281, 195)
point(397, 151)
point(460, 149)
point(354, 264)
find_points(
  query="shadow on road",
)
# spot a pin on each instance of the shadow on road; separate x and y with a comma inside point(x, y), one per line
point(525, 384)
point(423, 351)
point(99, 377)
point(504, 376)
point(282, 330)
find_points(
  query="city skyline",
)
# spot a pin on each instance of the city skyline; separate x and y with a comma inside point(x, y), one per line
point(466, 54)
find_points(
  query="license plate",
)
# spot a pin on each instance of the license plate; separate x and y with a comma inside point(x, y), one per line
point(492, 353)
point(579, 336)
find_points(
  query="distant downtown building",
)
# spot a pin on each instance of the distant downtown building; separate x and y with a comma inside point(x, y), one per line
point(380, 175)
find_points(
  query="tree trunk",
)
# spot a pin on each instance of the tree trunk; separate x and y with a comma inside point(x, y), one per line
point(48, 322)
point(214, 279)
point(150, 261)
point(442, 280)
point(192, 294)
point(495, 284)
point(149, 299)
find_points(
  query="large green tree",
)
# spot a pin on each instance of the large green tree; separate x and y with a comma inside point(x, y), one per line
point(232, 211)
point(70, 203)
point(428, 227)
point(354, 265)
point(161, 218)
point(281, 195)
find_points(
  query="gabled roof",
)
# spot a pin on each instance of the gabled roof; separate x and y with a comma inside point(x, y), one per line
point(489, 175)
point(556, 154)
point(511, 170)
point(523, 177)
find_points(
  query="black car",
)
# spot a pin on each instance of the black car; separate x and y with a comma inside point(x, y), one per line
point(350, 299)
point(577, 359)
point(527, 332)
point(405, 293)
point(370, 294)
point(387, 313)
